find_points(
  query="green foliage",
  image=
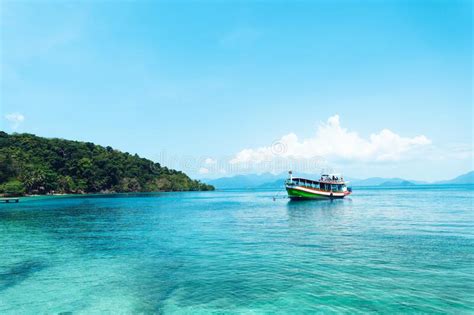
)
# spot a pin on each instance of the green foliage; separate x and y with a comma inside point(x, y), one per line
point(35, 165)
point(12, 188)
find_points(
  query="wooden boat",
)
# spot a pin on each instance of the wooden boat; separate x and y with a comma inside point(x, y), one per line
point(327, 187)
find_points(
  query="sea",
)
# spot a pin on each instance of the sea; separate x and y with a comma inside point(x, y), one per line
point(381, 250)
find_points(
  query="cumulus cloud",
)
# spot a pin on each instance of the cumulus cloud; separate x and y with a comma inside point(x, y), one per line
point(203, 170)
point(332, 141)
point(15, 119)
point(210, 161)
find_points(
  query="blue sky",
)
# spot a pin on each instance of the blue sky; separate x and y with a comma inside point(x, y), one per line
point(182, 82)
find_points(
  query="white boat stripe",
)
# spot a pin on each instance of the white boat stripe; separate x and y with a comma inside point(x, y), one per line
point(335, 194)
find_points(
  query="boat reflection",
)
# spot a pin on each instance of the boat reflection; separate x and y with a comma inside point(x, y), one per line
point(303, 212)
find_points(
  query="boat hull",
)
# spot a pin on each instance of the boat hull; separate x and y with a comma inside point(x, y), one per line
point(300, 193)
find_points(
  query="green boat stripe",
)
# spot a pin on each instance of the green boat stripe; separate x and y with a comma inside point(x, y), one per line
point(294, 193)
point(312, 191)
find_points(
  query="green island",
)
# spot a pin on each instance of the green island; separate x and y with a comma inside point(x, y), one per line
point(35, 165)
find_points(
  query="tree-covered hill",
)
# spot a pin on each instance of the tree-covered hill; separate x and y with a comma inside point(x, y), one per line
point(36, 165)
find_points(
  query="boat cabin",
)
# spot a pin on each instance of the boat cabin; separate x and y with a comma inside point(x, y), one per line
point(325, 183)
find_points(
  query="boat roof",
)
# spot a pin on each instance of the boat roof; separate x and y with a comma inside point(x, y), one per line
point(339, 181)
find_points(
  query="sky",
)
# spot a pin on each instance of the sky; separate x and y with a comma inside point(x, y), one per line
point(217, 88)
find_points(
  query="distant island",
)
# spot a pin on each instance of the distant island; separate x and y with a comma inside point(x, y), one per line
point(34, 165)
point(273, 181)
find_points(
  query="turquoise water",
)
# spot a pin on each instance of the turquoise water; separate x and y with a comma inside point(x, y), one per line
point(382, 250)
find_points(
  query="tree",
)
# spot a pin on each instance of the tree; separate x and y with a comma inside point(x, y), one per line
point(12, 188)
point(40, 165)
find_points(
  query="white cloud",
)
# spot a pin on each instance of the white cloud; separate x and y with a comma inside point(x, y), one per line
point(203, 170)
point(15, 119)
point(332, 141)
point(210, 161)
